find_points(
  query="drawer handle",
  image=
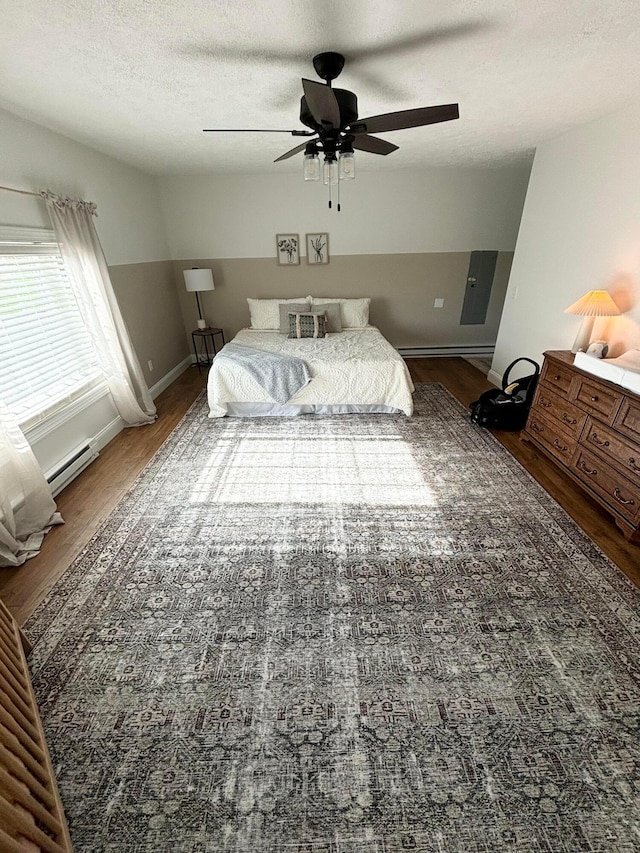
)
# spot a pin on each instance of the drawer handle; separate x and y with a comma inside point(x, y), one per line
point(618, 497)
point(632, 463)
point(568, 420)
point(556, 378)
point(594, 399)
point(536, 426)
point(590, 471)
point(596, 440)
point(545, 403)
point(561, 447)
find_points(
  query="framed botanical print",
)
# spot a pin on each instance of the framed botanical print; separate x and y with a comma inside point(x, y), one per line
point(288, 246)
point(318, 248)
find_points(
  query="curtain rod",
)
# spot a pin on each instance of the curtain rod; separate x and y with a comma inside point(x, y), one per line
point(22, 192)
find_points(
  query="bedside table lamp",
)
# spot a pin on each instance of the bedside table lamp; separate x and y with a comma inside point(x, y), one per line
point(198, 280)
point(596, 303)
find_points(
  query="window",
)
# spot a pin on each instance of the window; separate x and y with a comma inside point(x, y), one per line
point(46, 355)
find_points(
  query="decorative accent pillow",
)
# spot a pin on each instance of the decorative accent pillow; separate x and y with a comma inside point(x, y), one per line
point(354, 312)
point(332, 312)
point(306, 325)
point(286, 308)
point(265, 313)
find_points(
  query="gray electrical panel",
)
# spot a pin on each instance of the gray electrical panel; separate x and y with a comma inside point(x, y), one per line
point(482, 268)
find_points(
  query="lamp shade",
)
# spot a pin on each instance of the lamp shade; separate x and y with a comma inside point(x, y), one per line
point(596, 303)
point(198, 280)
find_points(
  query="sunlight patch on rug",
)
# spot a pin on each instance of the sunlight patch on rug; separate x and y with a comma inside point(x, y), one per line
point(362, 470)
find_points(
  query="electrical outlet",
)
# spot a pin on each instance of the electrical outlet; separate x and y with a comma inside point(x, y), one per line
point(438, 303)
point(150, 363)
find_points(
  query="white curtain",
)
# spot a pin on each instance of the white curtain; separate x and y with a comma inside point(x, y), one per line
point(83, 256)
point(27, 510)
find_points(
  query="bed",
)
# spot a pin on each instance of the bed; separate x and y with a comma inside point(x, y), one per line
point(355, 370)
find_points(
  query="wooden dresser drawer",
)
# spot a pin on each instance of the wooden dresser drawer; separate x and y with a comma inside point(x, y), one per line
point(628, 419)
point(614, 448)
point(597, 398)
point(547, 433)
point(615, 489)
point(591, 428)
point(557, 376)
point(564, 414)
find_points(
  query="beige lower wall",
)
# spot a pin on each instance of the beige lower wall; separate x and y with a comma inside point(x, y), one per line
point(402, 288)
point(151, 309)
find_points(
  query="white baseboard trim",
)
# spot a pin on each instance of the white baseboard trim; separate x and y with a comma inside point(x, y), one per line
point(107, 433)
point(94, 446)
point(482, 350)
point(162, 384)
point(494, 377)
point(69, 468)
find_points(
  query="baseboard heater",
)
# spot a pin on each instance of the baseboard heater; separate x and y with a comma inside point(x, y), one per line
point(70, 467)
point(470, 350)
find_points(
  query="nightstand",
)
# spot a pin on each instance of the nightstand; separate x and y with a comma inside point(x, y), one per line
point(206, 335)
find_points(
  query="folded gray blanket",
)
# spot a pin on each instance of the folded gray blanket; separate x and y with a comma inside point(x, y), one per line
point(281, 376)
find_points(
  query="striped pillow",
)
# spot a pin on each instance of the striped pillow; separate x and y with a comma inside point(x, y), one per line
point(307, 325)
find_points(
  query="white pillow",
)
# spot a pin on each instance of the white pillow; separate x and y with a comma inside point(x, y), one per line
point(354, 312)
point(265, 313)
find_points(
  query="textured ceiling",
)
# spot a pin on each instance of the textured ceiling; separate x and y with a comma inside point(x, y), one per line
point(139, 79)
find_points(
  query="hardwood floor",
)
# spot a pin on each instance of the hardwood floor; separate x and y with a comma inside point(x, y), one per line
point(89, 499)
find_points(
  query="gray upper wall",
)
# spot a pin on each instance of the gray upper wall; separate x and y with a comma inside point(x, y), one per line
point(383, 212)
point(129, 221)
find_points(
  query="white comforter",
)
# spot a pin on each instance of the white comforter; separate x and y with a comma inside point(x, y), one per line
point(354, 370)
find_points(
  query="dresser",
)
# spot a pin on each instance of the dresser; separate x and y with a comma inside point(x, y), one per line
point(591, 428)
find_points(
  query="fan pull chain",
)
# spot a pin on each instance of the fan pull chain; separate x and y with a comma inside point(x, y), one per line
point(330, 202)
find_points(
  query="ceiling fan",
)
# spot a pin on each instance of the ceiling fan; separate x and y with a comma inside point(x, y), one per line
point(336, 130)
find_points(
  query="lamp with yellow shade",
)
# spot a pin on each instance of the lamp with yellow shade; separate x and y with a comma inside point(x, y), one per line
point(596, 303)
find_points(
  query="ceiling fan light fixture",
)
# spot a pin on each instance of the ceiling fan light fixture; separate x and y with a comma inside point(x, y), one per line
point(330, 169)
point(311, 163)
point(347, 165)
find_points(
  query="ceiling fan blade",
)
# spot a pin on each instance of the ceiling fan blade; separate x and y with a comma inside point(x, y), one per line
point(292, 152)
point(405, 118)
point(423, 39)
point(334, 29)
point(257, 130)
point(322, 102)
point(241, 53)
point(373, 144)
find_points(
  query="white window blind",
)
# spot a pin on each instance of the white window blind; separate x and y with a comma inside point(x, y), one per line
point(46, 355)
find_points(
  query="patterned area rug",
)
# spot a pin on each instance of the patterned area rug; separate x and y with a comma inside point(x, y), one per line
point(358, 634)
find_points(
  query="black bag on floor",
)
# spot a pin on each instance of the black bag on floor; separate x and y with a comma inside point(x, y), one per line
point(507, 408)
